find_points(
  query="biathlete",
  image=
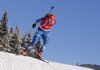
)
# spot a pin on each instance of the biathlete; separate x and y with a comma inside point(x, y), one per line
point(46, 23)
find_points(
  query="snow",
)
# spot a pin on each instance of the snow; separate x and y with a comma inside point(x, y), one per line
point(10, 61)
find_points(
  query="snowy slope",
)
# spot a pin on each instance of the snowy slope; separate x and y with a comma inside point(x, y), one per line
point(17, 62)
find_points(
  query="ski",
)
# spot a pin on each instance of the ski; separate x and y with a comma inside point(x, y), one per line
point(42, 60)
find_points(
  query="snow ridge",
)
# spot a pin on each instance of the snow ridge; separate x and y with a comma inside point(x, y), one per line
point(10, 61)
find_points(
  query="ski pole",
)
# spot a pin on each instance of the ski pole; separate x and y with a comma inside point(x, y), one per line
point(51, 9)
point(28, 32)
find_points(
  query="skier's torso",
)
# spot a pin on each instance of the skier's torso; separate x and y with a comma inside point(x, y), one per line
point(45, 25)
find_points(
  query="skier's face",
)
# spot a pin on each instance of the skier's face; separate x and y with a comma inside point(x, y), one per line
point(51, 19)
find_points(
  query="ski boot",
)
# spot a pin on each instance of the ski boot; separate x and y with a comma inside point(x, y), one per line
point(39, 54)
point(24, 52)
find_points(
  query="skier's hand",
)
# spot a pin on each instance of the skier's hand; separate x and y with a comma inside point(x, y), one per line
point(34, 25)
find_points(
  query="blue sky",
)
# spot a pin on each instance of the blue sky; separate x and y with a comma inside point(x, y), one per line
point(76, 35)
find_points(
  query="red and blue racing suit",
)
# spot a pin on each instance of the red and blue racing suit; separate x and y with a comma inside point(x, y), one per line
point(42, 31)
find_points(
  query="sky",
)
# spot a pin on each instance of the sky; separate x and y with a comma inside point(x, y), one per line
point(76, 35)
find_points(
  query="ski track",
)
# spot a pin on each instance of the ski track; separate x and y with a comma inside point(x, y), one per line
point(18, 62)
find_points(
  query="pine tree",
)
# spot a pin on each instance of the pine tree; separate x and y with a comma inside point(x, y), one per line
point(1, 36)
point(11, 30)
point(17, 39)
point(77, 64)
point(29, 39)
point(11, 38)
point(4, 22)
point(4, 33)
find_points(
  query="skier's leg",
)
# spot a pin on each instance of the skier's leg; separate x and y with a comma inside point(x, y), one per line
point(45, 41)
point(45, 37)
point(35, 40)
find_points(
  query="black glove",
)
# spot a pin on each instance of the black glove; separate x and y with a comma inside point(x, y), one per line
point(34, 25)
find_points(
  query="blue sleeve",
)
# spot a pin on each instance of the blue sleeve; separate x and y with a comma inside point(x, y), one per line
point(42, 20)
point(39, 21)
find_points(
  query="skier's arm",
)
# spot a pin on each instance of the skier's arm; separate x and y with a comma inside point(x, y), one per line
point(38, 20)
